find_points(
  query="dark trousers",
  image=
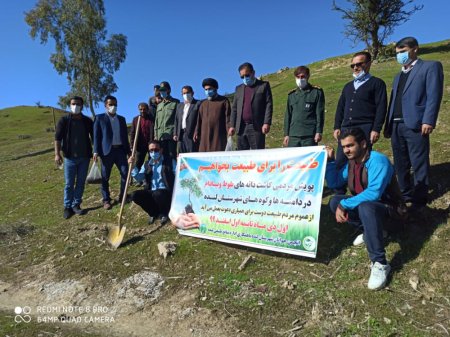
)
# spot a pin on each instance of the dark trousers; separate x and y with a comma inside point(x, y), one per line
point(411, 149)
point(250, 138)
point(301, 141)
point(186, 144)
point(169, 147)
point(367, 217)
point(140, 158)
point(153, 202)
point(118, 157)
point(341, 159)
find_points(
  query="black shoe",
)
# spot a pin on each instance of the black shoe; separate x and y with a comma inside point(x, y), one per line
point(151, 220)
point(164, 219)
point(68, 212)
point(78, 211)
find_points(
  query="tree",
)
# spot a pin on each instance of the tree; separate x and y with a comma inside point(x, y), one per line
point(191, 184)
point(372, 21)
point(81, 48)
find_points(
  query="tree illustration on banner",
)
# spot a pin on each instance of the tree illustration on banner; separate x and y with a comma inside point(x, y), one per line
point(191, 184)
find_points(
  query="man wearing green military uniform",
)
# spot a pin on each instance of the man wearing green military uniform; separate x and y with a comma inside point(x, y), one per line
point(165, 121)
point(305, 114)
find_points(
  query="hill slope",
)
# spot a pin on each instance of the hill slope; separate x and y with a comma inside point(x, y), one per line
point(204, 291)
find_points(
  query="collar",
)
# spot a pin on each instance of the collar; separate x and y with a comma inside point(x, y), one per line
point(411, 65)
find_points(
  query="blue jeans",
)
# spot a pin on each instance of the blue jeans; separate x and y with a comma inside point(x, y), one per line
point(367, 217)
point(118, 157)
point(74, 168)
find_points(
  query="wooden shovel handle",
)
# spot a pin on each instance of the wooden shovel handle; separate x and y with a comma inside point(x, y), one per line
point(130, 165)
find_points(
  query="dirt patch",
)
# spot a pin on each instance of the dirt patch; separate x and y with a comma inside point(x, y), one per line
point(139, 303)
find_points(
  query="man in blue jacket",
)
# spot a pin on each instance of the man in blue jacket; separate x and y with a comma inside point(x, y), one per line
point(112, 146)
point(413, 110)
point(159, 171)
point(375, 196)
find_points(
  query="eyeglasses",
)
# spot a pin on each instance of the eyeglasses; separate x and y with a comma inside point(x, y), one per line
point(154, 150)
point(359, 64)
point(245, 76)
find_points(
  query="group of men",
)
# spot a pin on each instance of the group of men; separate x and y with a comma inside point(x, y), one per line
point(168, 126)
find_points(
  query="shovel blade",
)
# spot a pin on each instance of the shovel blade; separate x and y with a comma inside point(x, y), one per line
point(115, 236)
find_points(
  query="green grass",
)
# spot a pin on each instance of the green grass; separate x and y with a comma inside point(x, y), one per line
point(329, 294)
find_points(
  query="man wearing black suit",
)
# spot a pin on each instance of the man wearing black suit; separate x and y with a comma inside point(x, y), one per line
point(112, 146)
point(413, 111)
point(251, 115)
point(186, 121)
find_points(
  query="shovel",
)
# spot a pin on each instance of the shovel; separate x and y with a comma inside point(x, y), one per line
point(116, 233)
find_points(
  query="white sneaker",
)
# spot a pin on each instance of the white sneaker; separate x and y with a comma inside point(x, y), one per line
point(359, 240)
point(378, 275)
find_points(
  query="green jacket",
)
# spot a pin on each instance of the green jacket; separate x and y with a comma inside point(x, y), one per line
point(165, 118)
point(305, 112)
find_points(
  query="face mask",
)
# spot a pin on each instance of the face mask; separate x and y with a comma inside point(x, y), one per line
point(155, 155)
point(112, 110)
point(403, 58)
point(163, 94)
point(301, 82)
point(76, 109)
point(210, 93)
point(187, 97)
point(249, 80)
point(359, 75)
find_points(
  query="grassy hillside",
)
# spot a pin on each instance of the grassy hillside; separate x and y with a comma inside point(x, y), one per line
point(325, 297)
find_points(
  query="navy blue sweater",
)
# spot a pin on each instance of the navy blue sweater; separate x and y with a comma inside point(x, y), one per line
point(367, 105)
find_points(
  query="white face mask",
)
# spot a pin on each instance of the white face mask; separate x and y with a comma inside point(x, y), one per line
point(301, 82)
point(112, 110)
point(75, 109)
point(360, 75)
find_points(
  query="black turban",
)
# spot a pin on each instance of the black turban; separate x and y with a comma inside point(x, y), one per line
point(210, 81)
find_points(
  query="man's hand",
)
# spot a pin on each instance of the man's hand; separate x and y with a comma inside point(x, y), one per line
point(131, 160)
point(426, 129)
point(336, 134)
point(286, 141)
point(341, 215)
point(374, 136)
point(94, 157)
point(330, 152)
point(195, 137)
point(175, 138)
point(58, 159)
point(231, 131)
point(265, 129)
point(317, 138)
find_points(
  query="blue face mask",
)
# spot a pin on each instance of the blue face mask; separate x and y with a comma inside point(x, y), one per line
point(155, 155)
point(210, 93)
point(248, 80)
point(163, 94)
point(403, 58)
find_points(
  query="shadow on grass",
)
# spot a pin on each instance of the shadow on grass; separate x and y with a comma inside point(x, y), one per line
point(140, 237)
point(417, 232)
point(439, 182)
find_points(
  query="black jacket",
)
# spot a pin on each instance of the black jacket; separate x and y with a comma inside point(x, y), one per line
point(63, 130)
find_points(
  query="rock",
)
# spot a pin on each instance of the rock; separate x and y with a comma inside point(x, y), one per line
point(414, 281)
point(166, 247)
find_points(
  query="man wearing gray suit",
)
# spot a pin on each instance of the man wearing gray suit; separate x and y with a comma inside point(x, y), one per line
point(251, 115)
point(413, 110)
point(186, 121)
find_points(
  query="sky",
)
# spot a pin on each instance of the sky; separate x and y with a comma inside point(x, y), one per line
point(183, 42)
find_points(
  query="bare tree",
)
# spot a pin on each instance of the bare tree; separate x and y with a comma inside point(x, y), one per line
point(372, 21)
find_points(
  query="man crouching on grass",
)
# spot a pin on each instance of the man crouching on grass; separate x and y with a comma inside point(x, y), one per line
point(375, 196)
